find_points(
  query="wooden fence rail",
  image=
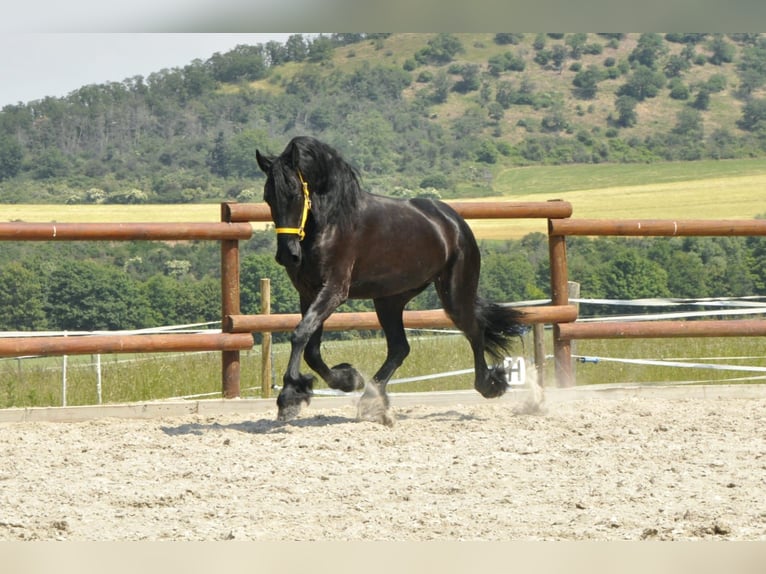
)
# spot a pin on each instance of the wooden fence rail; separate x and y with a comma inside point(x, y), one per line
point(17, 231)
point(229, 234)
point(237, 329)
point(433, 318)
point(559, 229)
point(87, 344)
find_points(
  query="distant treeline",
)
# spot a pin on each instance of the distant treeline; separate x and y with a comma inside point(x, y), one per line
point(95, 286)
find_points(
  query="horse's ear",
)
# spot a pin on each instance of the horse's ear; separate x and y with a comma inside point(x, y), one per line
point(295, 156)
point(264, 162)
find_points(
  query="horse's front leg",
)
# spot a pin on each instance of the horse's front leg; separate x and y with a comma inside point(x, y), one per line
point(342, 377)
point(298, 387)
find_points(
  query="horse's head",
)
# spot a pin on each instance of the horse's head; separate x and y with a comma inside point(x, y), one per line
point(287, 194)
point(308, 188)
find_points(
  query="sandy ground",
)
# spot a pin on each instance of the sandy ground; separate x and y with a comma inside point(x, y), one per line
point(649, 466)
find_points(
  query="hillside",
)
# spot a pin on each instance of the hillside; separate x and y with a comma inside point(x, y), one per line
point(454, 113)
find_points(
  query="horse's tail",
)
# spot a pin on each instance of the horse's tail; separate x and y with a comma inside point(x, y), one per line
point(501, 325)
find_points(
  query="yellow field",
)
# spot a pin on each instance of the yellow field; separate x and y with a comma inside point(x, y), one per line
point(715, 198)
point(737, 197)
point(183, 213)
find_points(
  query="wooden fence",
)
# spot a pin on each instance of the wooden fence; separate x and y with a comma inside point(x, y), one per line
point(230, 344)
point(563, 334)
point(237, 328)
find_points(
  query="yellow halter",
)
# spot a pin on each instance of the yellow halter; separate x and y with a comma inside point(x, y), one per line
point(300, 231)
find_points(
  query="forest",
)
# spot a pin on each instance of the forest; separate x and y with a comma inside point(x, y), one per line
point(440, 112)
point(94, 286)
point(418, 114)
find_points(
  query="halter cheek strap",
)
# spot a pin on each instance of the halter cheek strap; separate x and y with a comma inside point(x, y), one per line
point(299, 231)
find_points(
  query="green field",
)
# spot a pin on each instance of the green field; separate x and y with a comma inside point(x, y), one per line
point(38, 382)
point(729, 189)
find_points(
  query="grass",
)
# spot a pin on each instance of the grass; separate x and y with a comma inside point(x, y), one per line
point(550, 180)
point(745, 351)
point(38, 382)
point(731, 189)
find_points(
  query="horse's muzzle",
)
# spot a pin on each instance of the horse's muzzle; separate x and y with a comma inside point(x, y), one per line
point(288, 251)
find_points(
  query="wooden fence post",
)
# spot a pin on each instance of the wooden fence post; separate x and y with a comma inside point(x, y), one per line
point(562, 349)
point(230, 365)
point(266, 340)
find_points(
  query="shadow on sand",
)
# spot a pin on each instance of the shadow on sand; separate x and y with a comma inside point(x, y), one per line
point(262, 426)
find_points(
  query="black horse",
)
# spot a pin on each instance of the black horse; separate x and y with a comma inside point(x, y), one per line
point(338, 242)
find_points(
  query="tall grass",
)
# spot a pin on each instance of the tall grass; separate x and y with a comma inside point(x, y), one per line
point(138, 378)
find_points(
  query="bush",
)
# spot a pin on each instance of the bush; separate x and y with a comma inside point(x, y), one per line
point(425, 76)
point(679, 90)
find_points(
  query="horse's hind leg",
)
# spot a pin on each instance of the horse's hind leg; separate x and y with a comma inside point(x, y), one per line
point(457, 288)
point(374, 404)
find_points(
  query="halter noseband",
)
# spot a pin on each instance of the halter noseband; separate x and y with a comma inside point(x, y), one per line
point(299, 231)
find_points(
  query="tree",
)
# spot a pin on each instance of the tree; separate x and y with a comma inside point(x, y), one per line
point(22, 299)
point(284, 297)
point(689, 124)
point(507, 276)
point(240, 152)
point(753, 115)
point(244, 62)
point(276, 53)
point(586, 81)
point(296, 48)
point(471, 79)
point(440, 87)
point(495, 112)
point(688, 278)
point(752, 68)
point(632, 276)
point(508, 38)
point(702, 100)
point(218, 161)
point(441, 49)
point(84, 295)
point(559, 56)
point(626, 111)
point(321, 49)
point(576, 43)
point(643, 83)
point(722, 51)
point(678, 90)
point(179, 301)
point(50, 163)
point(649, 49)
point(11, 156)
point(675, 66)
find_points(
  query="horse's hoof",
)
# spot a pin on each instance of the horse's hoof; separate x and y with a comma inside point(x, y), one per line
point(345, 378)
point(292, 397)
point(289, 412)
point(374, 407)
point(494, 385)
point(375, 414)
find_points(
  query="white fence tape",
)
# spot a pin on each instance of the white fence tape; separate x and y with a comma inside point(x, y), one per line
point(731, 306)
point(665, 363)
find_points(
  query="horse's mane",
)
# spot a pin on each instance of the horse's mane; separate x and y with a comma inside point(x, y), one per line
point(333, 183)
